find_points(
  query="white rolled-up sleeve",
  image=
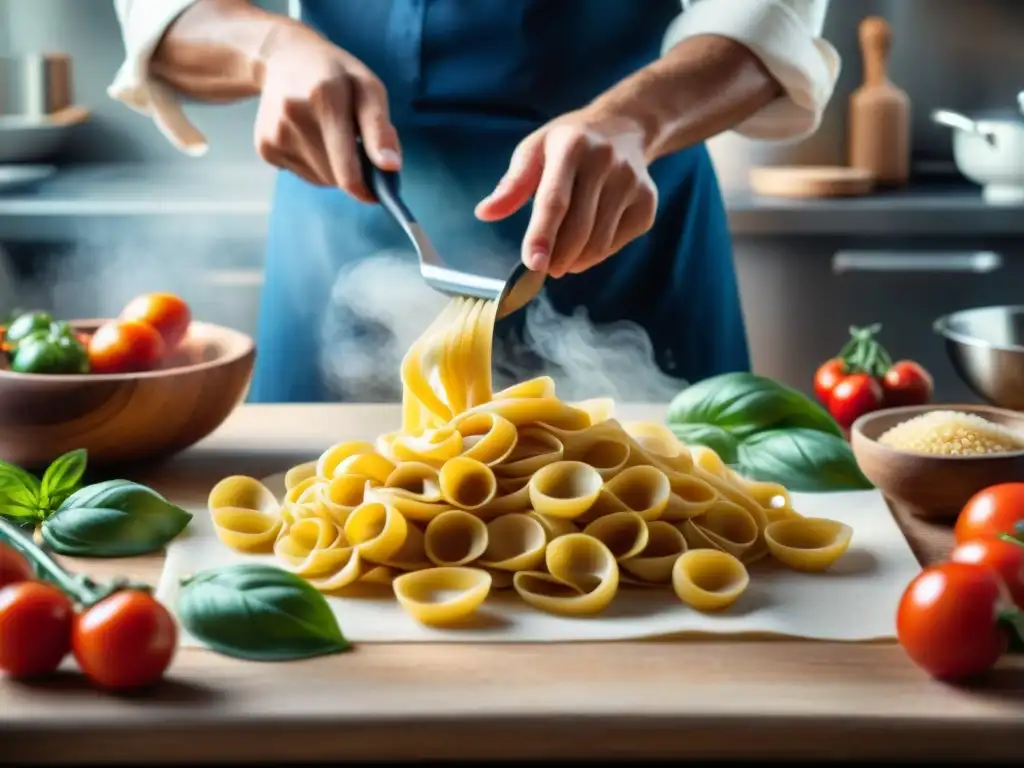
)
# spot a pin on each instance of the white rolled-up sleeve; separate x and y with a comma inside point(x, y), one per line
point(786, 36)
point(143, 24)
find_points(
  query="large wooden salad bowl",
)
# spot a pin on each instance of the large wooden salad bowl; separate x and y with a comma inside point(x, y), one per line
point(131, 416)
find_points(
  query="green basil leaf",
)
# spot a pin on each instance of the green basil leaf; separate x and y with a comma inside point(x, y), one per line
point(715, 438)
point(801, 460)
point(117, 518)
point(258, 613)
point(743, 404)
point(62, 477)
point(17, 511)
point(21, 496)
point(11, 475)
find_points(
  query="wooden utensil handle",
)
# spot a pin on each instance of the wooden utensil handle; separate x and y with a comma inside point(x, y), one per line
point(875, 42)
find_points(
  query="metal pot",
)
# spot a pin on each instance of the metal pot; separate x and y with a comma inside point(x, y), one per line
point(988, 148)
point(35, 85)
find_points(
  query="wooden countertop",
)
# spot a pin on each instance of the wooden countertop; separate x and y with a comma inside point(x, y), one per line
point(782, 699)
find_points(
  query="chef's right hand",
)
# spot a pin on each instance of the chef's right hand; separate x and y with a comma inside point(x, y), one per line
point(316, 99)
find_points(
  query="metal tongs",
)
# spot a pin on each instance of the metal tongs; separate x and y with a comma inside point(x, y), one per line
point(511, 294)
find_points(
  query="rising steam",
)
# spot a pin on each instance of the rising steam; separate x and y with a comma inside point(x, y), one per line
point(380, 306)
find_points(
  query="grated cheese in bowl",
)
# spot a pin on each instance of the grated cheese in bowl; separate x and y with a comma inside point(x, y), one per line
point(952, 433)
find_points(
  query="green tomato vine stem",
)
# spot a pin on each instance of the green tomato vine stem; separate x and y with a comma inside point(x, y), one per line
point(863, 353)
point(79, 588)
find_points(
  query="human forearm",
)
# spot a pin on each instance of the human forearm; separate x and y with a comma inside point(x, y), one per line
point(216, 49)
point(703, 86)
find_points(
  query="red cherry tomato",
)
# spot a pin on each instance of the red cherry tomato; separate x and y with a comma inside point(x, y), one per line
point(853, 396)
point(35, 628)
point(125, 346)
point(125, 641)
point(946, 621)
point(991, 511)
point(907, 383)
point(169, 314)
point(1005, 558)
point(826, 378)
point(13, 566)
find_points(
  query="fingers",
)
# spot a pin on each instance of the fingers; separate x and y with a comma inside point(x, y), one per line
point(286, 144)
point(373, 118)
point(518, 184)
point(286, 162)
point(333, 108)
point(637, 219)
point(607, 219)
point(579, 222)
point(552, 201)
point(620, 219)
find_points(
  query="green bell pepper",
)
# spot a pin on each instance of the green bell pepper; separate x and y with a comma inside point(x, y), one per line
point(27, 325)
point(50, 353)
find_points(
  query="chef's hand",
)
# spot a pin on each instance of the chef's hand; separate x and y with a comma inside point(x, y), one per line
point(316, 99)
point(591, 191)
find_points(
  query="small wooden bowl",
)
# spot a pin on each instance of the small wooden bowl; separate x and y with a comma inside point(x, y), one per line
point(130, 416)
point(928, 486)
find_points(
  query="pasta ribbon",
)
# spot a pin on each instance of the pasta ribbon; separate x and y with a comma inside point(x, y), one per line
point(515, 543)
point(653, 563)
point(479, 490)
point(709, 580)
point(442, 595)
point(808, 543)
point(582, 577)
point(246, 516)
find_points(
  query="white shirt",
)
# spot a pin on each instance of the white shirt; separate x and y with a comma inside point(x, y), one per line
point(784, 34)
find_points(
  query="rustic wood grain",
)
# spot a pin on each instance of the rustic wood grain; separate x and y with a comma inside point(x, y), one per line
point(932, 487)
point(694, 699)
point(126, 416)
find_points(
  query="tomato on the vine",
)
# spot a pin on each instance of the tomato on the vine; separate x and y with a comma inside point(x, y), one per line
point(854, 396)
point(863, 378)
point(14, 567)
point(907, 383)
point(1005, 558)
point(947, 621)
point(125, 641)
point(35, 628)
point(990, 512)
point(826, 378)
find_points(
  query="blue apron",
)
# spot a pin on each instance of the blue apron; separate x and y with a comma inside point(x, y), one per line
point(467, 80)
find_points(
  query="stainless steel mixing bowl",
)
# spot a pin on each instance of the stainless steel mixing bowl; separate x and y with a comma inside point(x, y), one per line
point(986, 347)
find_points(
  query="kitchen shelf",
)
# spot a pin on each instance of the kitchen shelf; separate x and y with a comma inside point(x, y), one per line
point(235, 200)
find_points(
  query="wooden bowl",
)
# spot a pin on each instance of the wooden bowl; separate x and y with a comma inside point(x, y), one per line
point(928, 486)
point(130, 416)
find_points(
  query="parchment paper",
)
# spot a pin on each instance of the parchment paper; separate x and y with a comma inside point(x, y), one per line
point(855, 601)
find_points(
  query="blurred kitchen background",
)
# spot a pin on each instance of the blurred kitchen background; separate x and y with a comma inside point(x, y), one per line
point(123, 212)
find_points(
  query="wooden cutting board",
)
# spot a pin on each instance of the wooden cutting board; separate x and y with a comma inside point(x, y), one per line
point(810, 181)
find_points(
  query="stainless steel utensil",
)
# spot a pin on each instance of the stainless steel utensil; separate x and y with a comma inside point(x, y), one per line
point(986, 348)
point(511, 294)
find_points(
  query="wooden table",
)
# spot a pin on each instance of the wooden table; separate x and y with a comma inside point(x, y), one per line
point(618, 700)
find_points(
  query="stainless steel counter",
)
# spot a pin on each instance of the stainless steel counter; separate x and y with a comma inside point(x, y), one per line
point(235, 200)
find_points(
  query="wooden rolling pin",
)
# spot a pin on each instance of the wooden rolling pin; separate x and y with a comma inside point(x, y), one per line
point(879, 116)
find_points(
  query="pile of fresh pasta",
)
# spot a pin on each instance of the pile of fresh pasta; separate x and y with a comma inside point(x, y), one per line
point(482, 491)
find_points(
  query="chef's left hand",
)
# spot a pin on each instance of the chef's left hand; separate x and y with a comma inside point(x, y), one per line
point(587, 174)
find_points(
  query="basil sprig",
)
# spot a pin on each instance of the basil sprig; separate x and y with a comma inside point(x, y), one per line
point(26, 498)
point(259, 613)
point(766, 431)
point(117, 518)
